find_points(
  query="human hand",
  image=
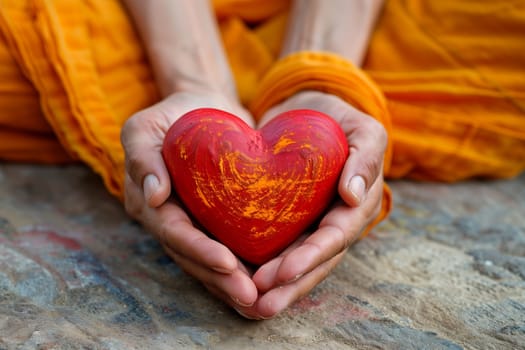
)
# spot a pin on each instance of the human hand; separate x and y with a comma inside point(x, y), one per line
point(147, 198)
point(286, 278)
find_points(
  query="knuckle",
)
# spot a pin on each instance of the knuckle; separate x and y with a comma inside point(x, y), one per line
point(163, 233)
point(133, 167)
point(344, 241)
point(373, 212)
point(376, 210)
point(381, 136)
point(326, 269)
point(131, 208)
point(340, 238)
point(132, 201)
point(166, 233)
point(371, 169)
point(146, 122)
point(375, 131)
point(130, 126)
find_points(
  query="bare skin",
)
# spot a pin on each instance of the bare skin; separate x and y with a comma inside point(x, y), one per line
point(188, 79)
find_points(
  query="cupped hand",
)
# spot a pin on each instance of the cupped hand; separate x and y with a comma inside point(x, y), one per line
point(295, 272)
point(147, 198)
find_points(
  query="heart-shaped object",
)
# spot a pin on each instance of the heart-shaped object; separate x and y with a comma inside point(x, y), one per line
point(256, 191)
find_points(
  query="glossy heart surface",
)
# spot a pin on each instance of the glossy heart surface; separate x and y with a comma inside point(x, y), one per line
point(255, 190)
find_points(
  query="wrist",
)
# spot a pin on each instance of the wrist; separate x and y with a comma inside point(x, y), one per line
point(191, 72)
point(342, 27)
point(183, 45)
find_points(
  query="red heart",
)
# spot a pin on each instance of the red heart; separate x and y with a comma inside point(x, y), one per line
point(256, 191)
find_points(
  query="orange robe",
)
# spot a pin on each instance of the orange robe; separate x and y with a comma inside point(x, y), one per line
point(446, 77)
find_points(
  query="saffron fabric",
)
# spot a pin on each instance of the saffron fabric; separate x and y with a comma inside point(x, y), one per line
point(445, 77)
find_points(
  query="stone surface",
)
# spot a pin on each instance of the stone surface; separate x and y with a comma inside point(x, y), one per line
point(445, 271)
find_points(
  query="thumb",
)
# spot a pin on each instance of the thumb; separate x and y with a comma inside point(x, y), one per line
point(364, 165)
point(144, 162)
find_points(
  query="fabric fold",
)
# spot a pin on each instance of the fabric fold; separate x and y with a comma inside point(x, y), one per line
point(453, 73)
point(90, 76)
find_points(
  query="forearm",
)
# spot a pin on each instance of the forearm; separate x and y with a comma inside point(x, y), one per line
point(340, 26)
point(183, 45)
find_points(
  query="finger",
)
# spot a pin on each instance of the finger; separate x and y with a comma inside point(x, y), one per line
point(237, 285)
point(326, 242)
point(142, 137)
point(247, 312)
point(280, 298)
point(367, 140)
point(133, 198)
point(174, 229)
point(340, 227)
point(265, 276)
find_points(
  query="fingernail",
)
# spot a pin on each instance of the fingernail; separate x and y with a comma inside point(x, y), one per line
point(222, 270)
point(238, 302)
point(357, 187)
point(245, 315)
point(150, 186)
point(291, 280)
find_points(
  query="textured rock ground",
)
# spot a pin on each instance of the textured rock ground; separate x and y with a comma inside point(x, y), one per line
point(446, 271)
